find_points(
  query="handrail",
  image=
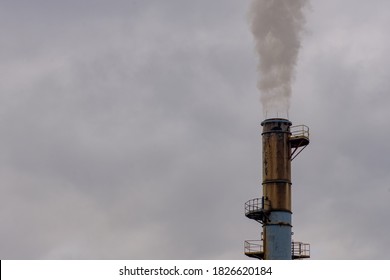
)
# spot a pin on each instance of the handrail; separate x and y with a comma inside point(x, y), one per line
point(299, 139)
point(255, 205)
point(299, 131)
point(253, 246)
point(298, 249)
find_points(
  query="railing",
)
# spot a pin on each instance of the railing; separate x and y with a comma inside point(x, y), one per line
point(299, 131)
point(258, 209)
point(256, 205)
point(253, 246)
point(299, 139)
point(300, 250)
point(253, 205)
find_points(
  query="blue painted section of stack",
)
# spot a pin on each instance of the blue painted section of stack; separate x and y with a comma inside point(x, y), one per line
point(278, 236)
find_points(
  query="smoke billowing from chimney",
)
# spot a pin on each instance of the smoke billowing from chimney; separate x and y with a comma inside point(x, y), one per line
point(277, 26)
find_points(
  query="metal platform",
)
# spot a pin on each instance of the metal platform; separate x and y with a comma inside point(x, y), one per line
point(255, 210)
point(299, 139)
point(300, 250)
point(255, 249)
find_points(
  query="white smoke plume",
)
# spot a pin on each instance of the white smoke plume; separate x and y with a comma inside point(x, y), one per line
point(277, 26)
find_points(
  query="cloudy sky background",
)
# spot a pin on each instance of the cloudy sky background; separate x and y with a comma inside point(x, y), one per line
point(131, 129)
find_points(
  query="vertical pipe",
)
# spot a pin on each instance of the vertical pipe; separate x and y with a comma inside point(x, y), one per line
point(277, 189)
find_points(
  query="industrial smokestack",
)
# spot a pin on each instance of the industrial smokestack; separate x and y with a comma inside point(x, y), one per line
point(277, 26)
point(277, 188)
point(281, 143)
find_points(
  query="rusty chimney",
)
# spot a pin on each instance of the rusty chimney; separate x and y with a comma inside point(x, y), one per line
point(281, 144)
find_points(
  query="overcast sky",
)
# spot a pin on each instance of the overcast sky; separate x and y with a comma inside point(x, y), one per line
point(131, 129)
